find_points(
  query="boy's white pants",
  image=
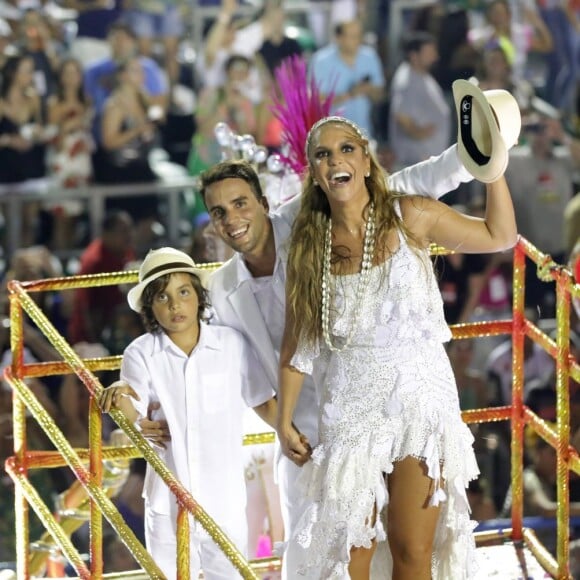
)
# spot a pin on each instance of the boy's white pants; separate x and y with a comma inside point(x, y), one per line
point(204, 554)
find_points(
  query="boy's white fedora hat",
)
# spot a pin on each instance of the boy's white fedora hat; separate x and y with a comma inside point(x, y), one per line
point(489, 124)
point(159, 262)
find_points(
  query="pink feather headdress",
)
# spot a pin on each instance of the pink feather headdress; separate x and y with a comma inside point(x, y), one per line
point(298, 105)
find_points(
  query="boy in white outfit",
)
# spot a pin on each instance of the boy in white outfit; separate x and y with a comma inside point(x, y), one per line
point(202, 376)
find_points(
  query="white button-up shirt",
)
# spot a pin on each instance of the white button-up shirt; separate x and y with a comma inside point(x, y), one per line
point(202, 398)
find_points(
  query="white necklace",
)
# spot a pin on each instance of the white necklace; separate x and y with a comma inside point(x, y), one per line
point(366, 264)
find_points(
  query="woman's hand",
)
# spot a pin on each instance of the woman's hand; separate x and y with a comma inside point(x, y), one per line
point(295, 445)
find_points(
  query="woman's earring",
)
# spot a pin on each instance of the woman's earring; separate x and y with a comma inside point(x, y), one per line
point(368, 174)
point(315, 182)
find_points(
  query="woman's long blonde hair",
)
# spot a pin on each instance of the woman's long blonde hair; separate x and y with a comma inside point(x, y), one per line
point(305, 258)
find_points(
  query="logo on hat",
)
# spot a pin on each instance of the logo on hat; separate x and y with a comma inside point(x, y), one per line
point(489, 125)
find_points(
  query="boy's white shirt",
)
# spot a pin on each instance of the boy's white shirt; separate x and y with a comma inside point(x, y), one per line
point(203, 398)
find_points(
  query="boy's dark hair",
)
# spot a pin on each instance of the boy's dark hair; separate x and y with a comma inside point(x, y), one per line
point(158, 285)
point(231, 170)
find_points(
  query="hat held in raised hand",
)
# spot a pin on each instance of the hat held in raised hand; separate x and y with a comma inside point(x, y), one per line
point(489, 124)
point(159, 262)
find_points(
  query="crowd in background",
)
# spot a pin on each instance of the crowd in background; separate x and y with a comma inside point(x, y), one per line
point(87, 99)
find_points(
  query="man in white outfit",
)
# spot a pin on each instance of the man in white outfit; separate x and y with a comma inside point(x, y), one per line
point(248, 291)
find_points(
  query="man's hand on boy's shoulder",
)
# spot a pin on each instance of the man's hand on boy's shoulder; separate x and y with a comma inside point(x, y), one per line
point(157, 432)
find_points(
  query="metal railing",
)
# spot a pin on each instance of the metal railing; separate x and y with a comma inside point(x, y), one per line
point(171, 191)
point(517, 413)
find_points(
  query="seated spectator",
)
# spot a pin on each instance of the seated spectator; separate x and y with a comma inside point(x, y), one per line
point(94, 308)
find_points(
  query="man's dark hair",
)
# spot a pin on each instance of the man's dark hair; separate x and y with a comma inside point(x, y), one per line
point(416, 40)
point(231, 170)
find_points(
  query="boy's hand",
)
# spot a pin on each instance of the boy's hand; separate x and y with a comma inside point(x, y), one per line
point(110, 397)
point(157, 432)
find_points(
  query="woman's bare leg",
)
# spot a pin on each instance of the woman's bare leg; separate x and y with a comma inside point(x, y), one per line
point(359, 567)
point(411, 522)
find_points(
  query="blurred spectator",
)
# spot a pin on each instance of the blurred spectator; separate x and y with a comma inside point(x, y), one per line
point(496, 73)
point(100, 76)
point(461, 280)
point(539, 488)
point(471, 383)
point(563, 22)
point(34, 263)
point(516, 38)
point(22, 136)
point(323, 20)
point(458, 58)
point(128, 136)
point(94, 307)
point(419, 117)
point(94, 18)
point(230, 104)
point(35, 41)
point(480, 502)
point(158, 20)
point(540, 175)
point(352, 72)
point(278, 46)
point(6, 40)
point(74, 398)
point(227, 37)
point(538, 364)
point(70, 152)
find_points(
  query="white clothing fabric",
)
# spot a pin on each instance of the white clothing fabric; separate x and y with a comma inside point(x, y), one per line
point(202, 398)
point(390, 394)
point(161, 533)
point(235, 305)
point(418, 96)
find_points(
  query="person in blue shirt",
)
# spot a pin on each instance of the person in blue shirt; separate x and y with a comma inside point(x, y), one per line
point(352, 71)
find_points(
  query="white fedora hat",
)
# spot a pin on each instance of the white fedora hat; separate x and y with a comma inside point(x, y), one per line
point(489, 124)
point(159, 262)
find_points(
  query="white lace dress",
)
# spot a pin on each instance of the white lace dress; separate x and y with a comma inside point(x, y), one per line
point(389, 395)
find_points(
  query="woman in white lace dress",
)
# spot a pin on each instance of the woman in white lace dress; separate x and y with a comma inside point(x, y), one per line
point(365, 317)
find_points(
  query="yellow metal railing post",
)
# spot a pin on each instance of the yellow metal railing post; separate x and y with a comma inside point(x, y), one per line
point(517, 420)
point(563, 421)
point(96, 468)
